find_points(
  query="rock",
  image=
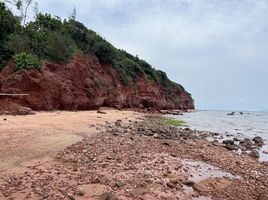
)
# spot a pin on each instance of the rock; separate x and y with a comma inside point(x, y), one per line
point(232, 113)
point(101, 112)
point(25, 111)
point(246, 143)
point(80, 191)
point(211, 184)
point(107, 196)
point(188, 183)
point(70, 197)
point(171, 185)
point(241, 113)
point(258, 141)
point(119, 184)
point(231, 147)
point(236, 140)
point(265, 152)
point(230, 142)
point(118, 123)
point(254, 153)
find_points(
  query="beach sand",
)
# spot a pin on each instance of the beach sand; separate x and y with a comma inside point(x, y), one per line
point(31, 137)
point(119, 155)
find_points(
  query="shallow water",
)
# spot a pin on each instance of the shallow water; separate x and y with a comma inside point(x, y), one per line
point(248, 124)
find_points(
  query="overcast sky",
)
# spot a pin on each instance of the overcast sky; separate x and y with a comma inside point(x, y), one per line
point(217, 49)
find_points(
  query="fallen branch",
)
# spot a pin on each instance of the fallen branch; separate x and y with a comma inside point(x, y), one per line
point(6, 94)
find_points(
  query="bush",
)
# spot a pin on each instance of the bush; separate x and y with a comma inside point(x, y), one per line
point(19, 43)
point(58, 49)
point(27, 61)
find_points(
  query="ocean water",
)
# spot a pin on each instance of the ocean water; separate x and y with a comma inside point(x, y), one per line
point(248, 124)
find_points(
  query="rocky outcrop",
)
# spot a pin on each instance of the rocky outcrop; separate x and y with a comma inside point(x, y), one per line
point(85, 83)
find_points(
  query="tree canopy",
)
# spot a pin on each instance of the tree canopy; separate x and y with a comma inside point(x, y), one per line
point(52, 39)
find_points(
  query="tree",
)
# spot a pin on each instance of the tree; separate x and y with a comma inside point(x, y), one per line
point(73, 14)
point(58, 49)
point(8, 24)
point(23, 7)
point(18, 43)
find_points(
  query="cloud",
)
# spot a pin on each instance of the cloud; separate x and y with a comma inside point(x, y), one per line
point(216, 49)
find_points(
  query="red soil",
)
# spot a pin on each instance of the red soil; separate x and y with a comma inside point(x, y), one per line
point(82, 84)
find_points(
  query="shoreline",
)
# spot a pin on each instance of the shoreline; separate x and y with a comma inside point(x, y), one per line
point(140, 158)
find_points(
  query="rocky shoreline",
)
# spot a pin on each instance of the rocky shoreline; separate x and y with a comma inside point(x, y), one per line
point(143, 159)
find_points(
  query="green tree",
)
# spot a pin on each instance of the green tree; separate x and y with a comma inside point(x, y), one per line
point(8, 24)
point(59, 48)
point(19, 43)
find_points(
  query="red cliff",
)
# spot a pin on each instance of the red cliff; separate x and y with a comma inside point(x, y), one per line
point(85, 83)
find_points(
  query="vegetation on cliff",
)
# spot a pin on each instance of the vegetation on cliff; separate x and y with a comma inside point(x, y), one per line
point(50, 39)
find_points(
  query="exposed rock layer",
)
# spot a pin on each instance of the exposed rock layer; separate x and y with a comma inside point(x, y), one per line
point(84, 84)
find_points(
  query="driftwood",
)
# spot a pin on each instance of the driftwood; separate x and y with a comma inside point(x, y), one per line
point(6, 94)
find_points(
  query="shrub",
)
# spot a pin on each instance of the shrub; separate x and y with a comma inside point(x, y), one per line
point(27, 61)
point(19, 43)
point(58, 49)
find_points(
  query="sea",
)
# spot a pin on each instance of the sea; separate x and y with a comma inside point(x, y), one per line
point(240, 124)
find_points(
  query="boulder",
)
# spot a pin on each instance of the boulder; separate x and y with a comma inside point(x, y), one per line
point(258, 141)
point(25, 111)
point(231, 147)
point(254, 153)
point(246, 143)
point(230, 142)
point(211, 184)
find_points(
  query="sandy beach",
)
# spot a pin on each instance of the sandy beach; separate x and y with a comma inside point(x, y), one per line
point(119, 155)
point(35, 136)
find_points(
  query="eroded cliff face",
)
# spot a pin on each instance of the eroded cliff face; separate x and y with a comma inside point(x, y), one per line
point(84, 84)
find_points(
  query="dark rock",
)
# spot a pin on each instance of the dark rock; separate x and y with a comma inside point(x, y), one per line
point(171, 185)
point(71, 197)
point(231, 142)
point(246, 143)
point(118, 123)
point(232, 113)
point(101, 112)
point(258, 141)
point(231, 147)
point(254, 153)
point(236, 140)
point(188, 183)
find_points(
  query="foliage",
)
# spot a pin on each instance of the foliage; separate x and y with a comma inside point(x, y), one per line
point(8, 24)
point(26, 61)
point(19, 43)
point(58, 48)
point(52, 39)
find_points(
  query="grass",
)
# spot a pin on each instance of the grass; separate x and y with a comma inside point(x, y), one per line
point(171, 121)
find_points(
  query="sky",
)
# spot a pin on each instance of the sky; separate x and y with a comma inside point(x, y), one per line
point(218, 50)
